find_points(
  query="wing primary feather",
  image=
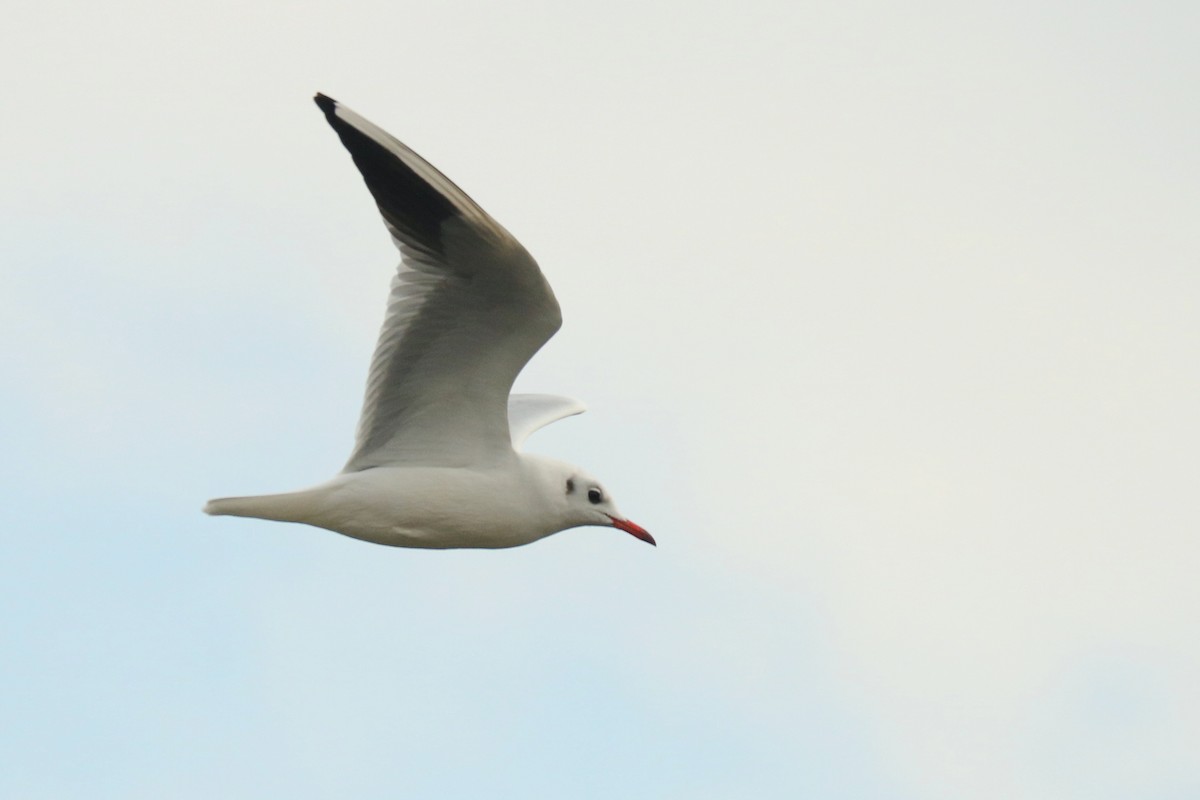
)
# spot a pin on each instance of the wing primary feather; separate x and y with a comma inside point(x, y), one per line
point(408, 202)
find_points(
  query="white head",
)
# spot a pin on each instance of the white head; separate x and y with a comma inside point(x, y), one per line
point(582, 500)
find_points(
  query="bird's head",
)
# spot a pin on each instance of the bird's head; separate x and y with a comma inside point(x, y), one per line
point(585, 501)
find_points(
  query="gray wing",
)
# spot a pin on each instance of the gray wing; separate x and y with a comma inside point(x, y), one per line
point(468, 308)
point(529, 412)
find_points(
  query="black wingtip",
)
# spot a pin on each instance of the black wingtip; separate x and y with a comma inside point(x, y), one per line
point(325, 103)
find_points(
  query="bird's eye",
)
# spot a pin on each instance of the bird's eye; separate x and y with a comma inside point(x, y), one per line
point(570, 485)
point(594, 496)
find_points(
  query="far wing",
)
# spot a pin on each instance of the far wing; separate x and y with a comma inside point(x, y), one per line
point(529, 412)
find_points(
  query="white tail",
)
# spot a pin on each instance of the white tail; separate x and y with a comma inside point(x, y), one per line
point(289, 507)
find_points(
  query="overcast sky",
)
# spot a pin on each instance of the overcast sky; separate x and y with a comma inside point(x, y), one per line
point(886, 314)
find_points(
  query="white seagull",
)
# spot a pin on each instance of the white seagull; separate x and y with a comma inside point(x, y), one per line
point(436, 461)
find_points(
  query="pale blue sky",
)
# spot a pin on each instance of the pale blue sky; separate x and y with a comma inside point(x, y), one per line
point(887, 316)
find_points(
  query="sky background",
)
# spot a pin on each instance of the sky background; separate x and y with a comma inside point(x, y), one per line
point(887, 317)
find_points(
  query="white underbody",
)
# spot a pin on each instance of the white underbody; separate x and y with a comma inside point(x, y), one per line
point(503, 505)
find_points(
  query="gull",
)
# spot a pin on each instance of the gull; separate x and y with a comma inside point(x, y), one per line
point(437, 461)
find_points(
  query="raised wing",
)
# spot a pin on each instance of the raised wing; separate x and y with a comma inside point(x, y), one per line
point(467, 309)
point(528, 412)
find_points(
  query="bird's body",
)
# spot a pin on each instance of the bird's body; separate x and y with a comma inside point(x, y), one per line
point(433, 507)
point(437, 462)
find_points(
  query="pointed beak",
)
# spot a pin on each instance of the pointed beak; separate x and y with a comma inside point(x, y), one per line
point(633, 529)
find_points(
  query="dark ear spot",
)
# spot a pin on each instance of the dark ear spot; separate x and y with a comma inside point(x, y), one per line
point(570, 485)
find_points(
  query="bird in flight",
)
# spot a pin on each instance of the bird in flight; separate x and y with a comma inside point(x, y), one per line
point(437, 461)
